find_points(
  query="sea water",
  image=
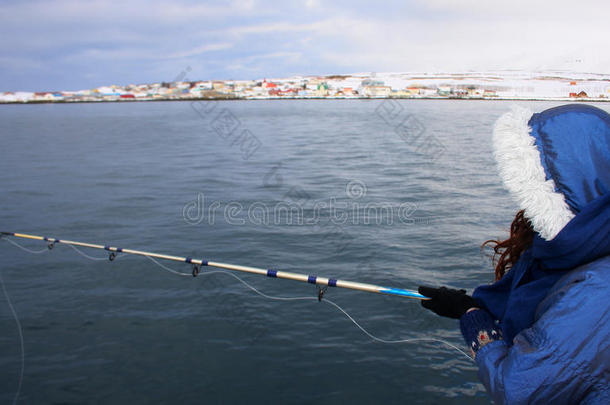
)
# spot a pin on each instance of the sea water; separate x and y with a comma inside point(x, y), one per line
point(396, 193)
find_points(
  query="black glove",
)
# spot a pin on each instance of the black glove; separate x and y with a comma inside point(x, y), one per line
point(446, 301)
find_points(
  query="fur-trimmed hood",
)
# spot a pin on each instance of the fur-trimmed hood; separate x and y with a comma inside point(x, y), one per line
point(557, 165)
point(554, 162)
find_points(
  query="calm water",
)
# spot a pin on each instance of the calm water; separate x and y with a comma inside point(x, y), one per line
point(126, 174)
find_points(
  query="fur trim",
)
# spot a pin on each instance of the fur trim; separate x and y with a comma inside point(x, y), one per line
point(521, 170)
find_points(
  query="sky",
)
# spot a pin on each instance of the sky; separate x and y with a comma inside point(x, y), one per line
point(72, 45)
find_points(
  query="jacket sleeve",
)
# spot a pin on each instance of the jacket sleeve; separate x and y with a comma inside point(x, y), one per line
point(530, 372)
point(562, 359)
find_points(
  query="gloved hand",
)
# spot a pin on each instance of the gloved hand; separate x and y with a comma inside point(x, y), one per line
point(446, 301)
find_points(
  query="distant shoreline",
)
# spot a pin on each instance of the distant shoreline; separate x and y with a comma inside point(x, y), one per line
point(132, 100)
point(507, 85)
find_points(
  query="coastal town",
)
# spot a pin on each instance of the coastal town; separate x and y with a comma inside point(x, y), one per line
point(511, 85)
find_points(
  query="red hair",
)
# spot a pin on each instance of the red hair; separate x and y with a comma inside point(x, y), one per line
point(507, 252)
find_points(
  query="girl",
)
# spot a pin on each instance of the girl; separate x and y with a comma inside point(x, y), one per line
point(541, 332)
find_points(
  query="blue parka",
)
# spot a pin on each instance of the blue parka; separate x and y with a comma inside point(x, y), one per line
point(543, 333)
point(564, 357)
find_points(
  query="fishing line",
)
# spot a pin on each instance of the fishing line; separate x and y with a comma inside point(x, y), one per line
point(262, 294)
point(36, 252)
point(366, 332)
point(85, 255)
point(167, 268)
point(10, 305)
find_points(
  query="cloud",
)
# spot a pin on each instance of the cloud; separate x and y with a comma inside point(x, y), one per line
point(111, 41)
point(200, 50)
point(312, 3)
point(535, 10)
point(120, 12)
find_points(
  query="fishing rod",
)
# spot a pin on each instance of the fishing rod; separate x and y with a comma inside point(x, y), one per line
point(198, 263)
